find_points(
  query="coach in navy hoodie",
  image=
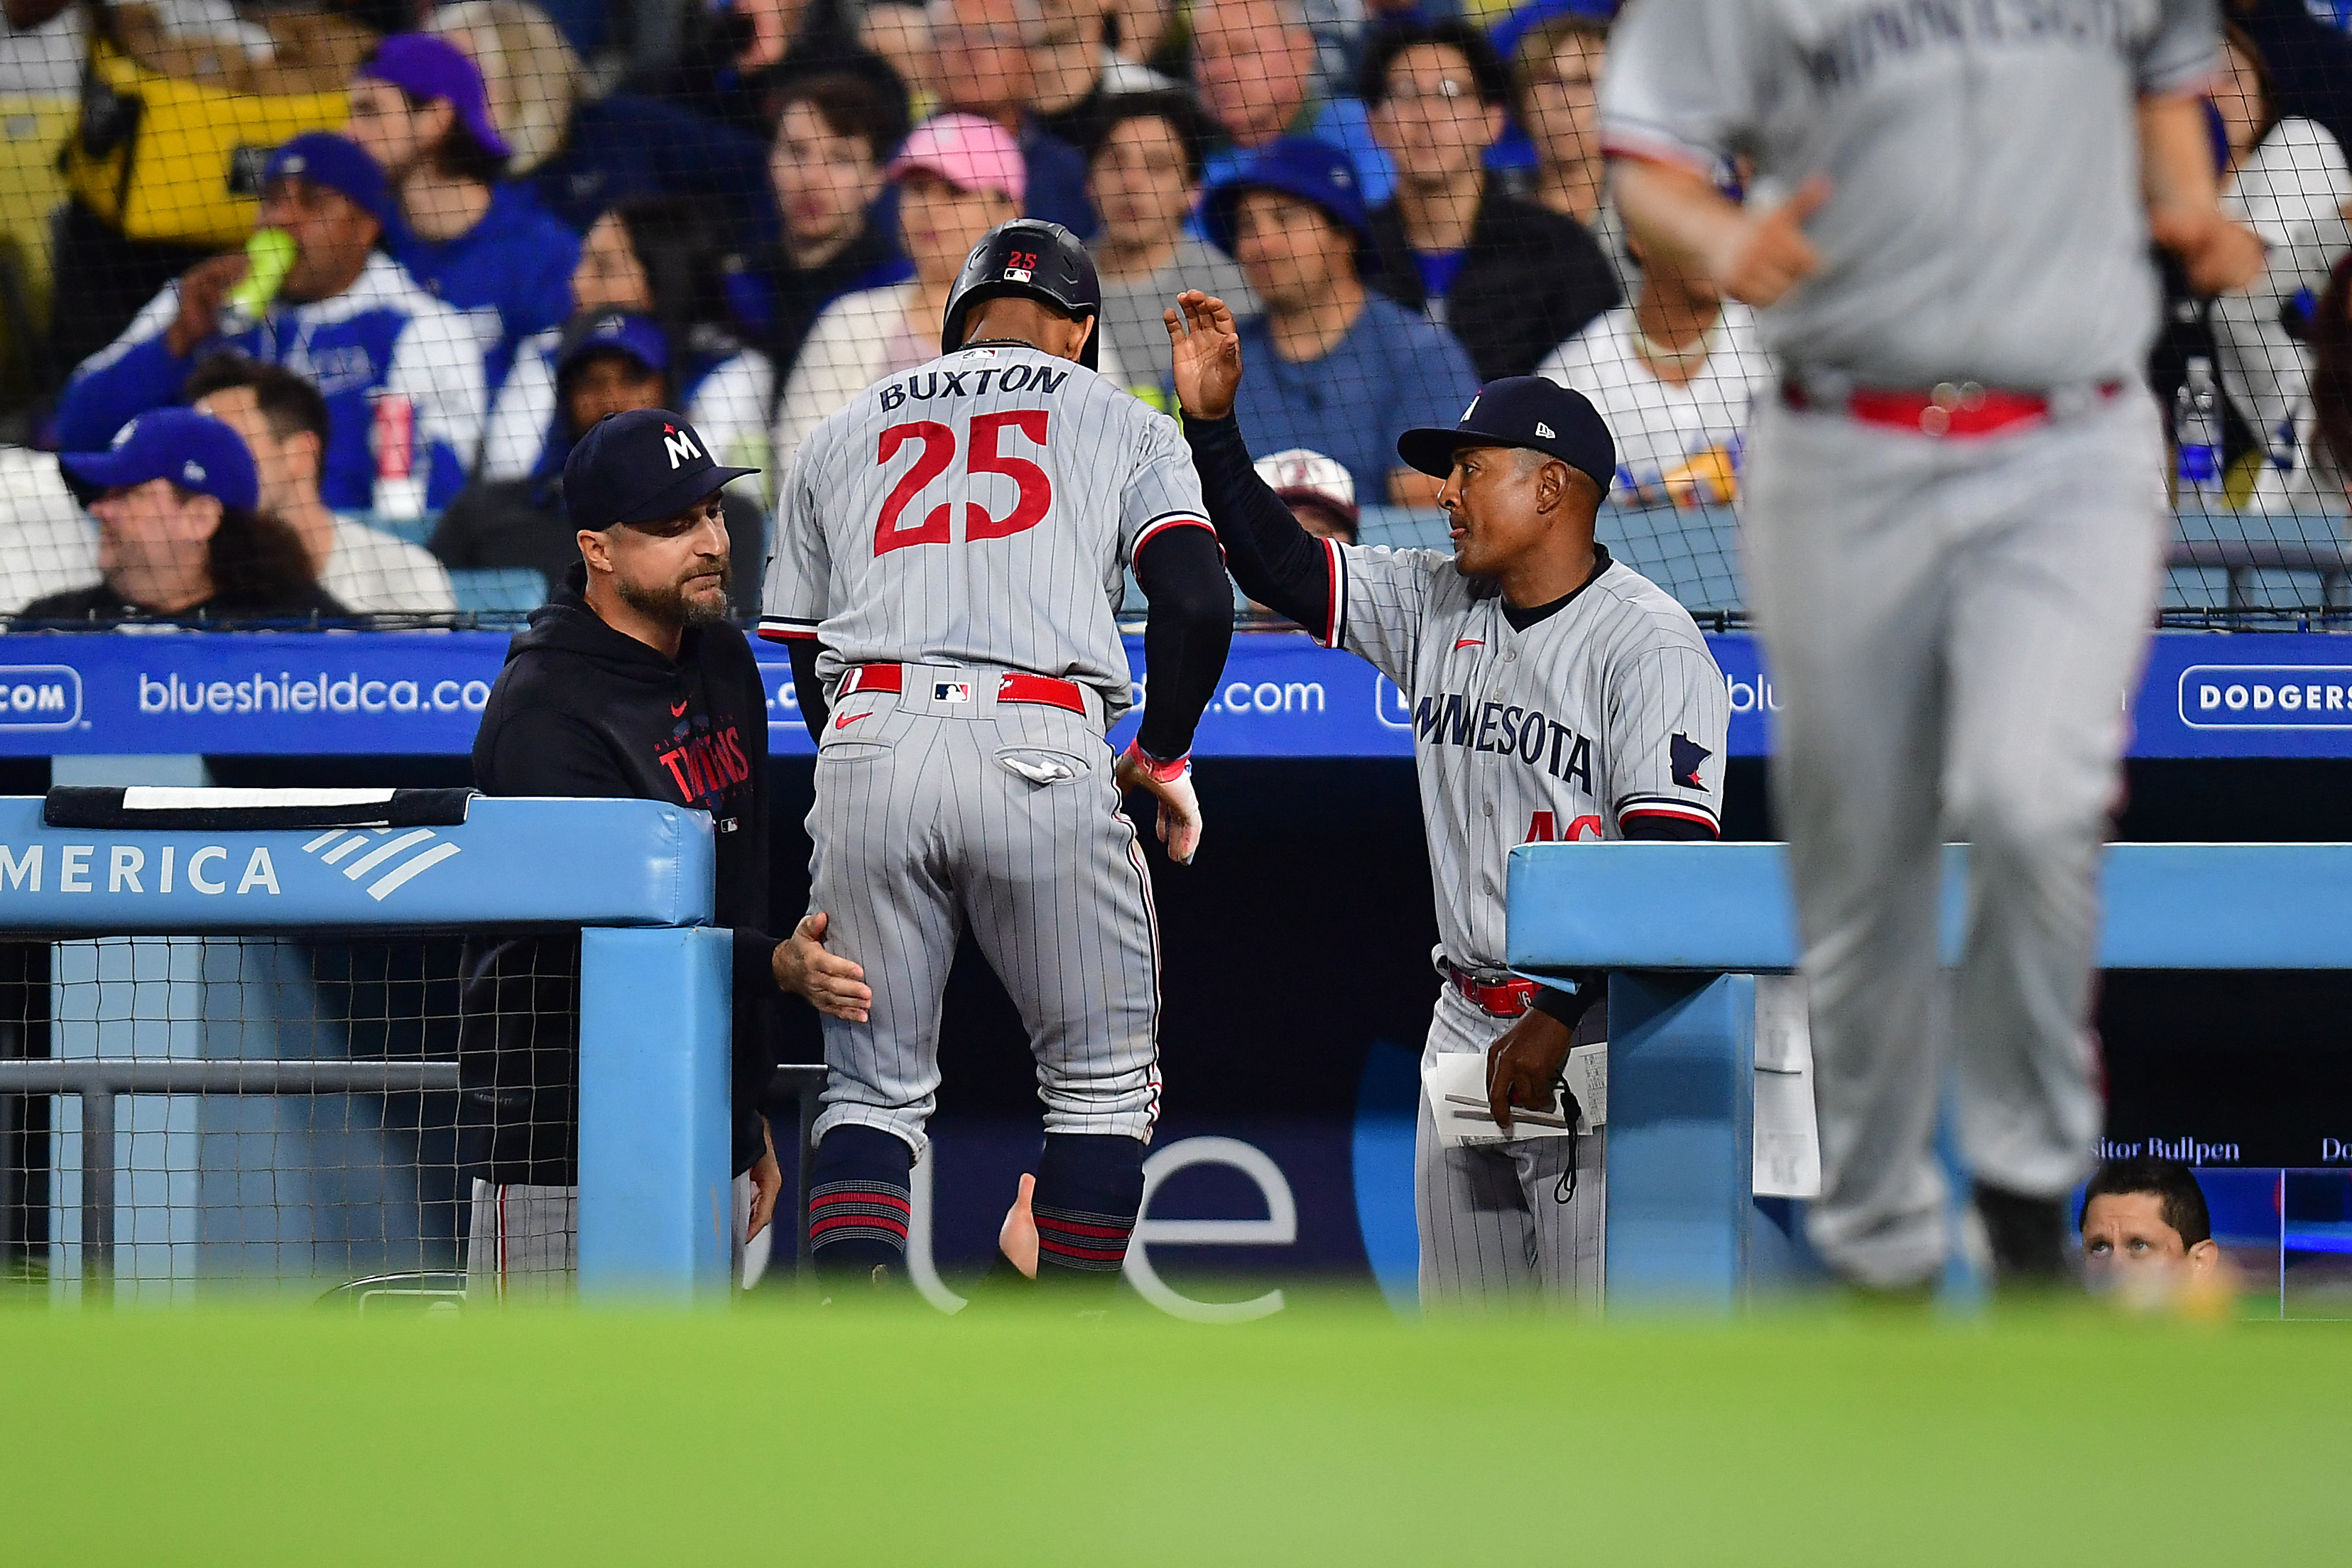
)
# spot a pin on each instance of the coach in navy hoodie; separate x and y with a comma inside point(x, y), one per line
point(629, 683)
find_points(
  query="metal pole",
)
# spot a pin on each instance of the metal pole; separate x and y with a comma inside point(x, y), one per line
point(806, 1082)
point(97, 1191)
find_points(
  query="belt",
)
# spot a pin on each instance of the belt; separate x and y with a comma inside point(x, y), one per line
point(1013, 686)
point(1496, 998)
point(1948, 408)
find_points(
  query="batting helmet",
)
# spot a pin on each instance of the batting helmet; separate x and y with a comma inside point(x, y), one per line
point(1031, 258)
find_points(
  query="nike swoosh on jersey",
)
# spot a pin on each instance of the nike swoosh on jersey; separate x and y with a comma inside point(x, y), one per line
point(678, 709)
point(1461, 643)
point(847, 719)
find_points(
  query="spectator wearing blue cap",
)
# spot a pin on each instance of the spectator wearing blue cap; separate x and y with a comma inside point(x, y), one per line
point(1506, 276)
point(179, 536)
point(346, 317)
point(1342, 370)
point(611, 362)
point(477, 243)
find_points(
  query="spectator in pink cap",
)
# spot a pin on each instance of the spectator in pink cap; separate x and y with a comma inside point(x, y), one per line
point(482, 246)
point(958, 177)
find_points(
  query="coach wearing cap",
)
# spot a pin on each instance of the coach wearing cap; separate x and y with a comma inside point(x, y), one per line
point(630, 683)
point(1556, 695)
point(180, 537)
point(346, 317)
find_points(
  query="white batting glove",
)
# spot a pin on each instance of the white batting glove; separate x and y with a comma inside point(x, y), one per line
point(1170, 783)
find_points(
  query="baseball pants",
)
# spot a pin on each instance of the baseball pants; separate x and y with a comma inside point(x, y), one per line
point(1493, 1232)
point(523, 1241)
point(1952, 629)
point(939, 807)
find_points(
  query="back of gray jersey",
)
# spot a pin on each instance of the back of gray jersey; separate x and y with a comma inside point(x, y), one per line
point(1985, 220)
point(1608, 709)
point(980, 510)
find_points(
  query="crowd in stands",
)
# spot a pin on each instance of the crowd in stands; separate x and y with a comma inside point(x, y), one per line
point(478, 226)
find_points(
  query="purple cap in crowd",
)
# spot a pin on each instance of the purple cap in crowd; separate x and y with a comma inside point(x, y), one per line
point(425, 66)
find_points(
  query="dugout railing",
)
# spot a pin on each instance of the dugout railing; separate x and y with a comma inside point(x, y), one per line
point(1686, 931)
point(633, 878)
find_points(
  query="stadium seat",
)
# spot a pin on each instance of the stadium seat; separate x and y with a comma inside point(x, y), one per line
point(492, 589)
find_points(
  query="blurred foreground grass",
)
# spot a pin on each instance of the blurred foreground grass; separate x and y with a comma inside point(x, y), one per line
point(1329, 1433)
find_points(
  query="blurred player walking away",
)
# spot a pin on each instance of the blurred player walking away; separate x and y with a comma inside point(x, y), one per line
point(951, 546)
point(1954, 529)
point(1558, 694)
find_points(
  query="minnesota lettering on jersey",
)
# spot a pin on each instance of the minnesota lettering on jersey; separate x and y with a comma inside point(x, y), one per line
point(925, 385)
point(1451, 718)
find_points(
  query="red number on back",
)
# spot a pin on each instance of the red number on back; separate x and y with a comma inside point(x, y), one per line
point(1036, 488)
point(939, 451)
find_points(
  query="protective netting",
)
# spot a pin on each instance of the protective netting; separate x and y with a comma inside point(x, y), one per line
point(665, 202)
point(285, 1113)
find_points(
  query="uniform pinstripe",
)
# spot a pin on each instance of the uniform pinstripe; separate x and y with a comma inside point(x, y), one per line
point(1609, 708)
point(939, 807)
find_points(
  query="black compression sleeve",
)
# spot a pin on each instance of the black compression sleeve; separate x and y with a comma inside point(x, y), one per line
point(1185, 636)
point(1276, 563)
point(1592, 984)
point(806, 686)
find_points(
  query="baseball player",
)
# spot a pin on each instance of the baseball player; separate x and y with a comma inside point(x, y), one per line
point(951, 548)
point(1557, 694)
point(1954, 523)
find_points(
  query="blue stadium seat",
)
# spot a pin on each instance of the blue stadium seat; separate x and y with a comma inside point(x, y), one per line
point(491, 589)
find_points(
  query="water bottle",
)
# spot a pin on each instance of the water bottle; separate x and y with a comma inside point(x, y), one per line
point(2196, 432)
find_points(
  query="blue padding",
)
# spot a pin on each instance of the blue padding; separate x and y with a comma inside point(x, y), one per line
point(654, 1206)
point(512, 863)
point(1641, 905)
point(1682, 1061)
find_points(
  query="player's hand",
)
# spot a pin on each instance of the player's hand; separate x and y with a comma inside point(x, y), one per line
point(1170, 783)
point(1207, 347)
point(203, 288)
point(832, 983)
point(1766, 254)
point(2219, 253)
point(767, 1182)
point(1523, 1067)
point(1017, 1237)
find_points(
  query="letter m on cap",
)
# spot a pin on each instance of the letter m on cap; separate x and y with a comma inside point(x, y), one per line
point(678, 444)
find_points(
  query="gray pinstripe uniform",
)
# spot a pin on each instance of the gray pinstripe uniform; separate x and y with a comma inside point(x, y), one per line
point(1950, 621)
point(1610, 708)
point(972, 520)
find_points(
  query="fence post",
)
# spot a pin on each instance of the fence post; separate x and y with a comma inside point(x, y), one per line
point(97, 1188)
point(1681, 1151)
point(655, 1209)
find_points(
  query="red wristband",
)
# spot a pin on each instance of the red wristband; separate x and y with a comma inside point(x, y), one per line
point(1161, 773)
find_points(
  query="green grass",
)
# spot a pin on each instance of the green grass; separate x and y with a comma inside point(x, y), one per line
point(1329, 1433)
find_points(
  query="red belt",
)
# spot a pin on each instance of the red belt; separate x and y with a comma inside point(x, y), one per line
point(1013, 686)
point(1950, 408)
point(1496, 998)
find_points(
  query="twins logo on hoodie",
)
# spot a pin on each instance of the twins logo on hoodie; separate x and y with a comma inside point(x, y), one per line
point(707, 765)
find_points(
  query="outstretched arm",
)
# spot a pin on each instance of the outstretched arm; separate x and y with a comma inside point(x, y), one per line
point(1276, 563)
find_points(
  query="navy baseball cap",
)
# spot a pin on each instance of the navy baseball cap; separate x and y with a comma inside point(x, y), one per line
point(194, 451)
point(323, 158)
point(614, 331)
point(1521, 411)
point(1297, 166)
point(639, 467)
point(426, 67)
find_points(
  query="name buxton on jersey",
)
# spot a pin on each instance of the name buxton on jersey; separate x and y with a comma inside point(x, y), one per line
point(926, 384)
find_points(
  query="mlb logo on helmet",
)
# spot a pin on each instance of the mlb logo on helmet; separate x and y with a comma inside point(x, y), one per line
point(1017, 275)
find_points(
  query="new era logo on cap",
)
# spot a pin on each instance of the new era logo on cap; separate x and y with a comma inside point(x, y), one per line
point(1545, 430)
point(295, 165)
point(192, 471)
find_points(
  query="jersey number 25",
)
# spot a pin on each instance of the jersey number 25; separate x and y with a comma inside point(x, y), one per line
point(981, 457)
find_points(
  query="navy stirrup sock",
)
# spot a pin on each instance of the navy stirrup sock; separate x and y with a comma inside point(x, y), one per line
point(859, 1201)
point(1088, 1189)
